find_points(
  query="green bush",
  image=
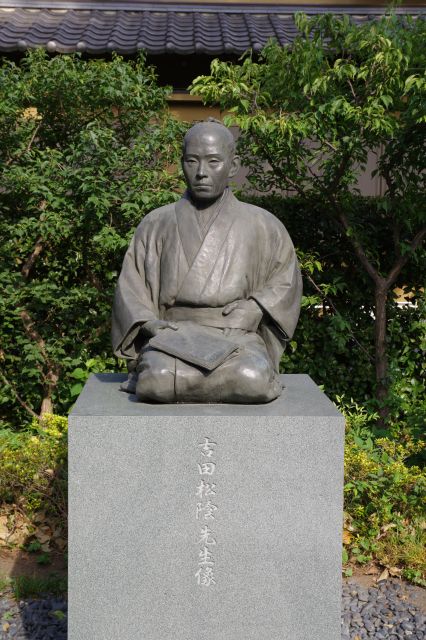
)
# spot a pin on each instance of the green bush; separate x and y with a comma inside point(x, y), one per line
point(33, 467)
point(87, 148)
point(384, 498)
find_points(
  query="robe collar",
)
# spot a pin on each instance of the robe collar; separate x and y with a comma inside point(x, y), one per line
point(202, 249)
point(192, 233)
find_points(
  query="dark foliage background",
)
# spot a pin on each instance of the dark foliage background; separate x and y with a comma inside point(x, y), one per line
point(87, 148)
point(334, 340)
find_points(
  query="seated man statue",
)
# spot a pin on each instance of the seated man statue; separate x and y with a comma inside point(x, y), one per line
point(209, 290)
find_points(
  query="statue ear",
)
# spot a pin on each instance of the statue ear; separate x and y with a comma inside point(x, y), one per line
point(235, 166)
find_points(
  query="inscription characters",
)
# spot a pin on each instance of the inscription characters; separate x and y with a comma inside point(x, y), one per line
point(206, 510)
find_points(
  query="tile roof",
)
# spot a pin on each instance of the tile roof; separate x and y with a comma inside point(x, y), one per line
point(96, 28)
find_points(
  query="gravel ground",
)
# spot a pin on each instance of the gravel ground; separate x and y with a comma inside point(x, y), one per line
point(384, 612)
point(43, 619)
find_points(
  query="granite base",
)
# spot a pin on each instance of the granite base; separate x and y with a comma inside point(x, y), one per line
point(193, 522)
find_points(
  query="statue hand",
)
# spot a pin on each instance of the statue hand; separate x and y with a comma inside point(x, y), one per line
point(244, 305)
point(246, 311)
point(152, 327)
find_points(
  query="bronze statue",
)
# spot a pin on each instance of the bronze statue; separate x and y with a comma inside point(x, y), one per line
point(209, 291)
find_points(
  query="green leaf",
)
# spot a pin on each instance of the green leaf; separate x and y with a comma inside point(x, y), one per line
point(60, 615)
point(76, 389)
point(79, 374)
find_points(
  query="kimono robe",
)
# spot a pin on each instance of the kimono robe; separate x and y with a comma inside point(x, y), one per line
point(178, 271)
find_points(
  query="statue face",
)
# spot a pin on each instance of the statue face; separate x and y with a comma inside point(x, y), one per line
point(208, 164)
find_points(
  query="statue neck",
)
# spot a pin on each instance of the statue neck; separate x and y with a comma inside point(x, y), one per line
point(207, 211)
point(205, 205)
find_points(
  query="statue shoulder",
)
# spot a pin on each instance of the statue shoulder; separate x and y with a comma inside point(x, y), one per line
point(264, 218)
point(156, 220)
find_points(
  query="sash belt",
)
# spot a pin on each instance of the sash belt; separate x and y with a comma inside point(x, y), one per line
point(213, 317)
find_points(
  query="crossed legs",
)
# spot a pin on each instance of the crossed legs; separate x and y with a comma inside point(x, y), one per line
point(247, 376)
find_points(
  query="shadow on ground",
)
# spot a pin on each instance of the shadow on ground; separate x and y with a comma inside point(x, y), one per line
point(33, 602)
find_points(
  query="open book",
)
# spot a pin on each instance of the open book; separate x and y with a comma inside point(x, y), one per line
point(194, 344)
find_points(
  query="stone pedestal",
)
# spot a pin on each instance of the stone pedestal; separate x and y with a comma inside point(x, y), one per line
point(205, 522)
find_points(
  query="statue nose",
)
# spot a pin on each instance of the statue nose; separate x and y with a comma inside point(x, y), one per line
point(201, 170)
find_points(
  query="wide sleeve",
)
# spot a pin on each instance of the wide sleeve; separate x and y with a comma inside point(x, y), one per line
point(280, 294)
point(133, 299)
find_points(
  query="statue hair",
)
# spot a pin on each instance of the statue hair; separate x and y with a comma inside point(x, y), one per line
point(215, 125)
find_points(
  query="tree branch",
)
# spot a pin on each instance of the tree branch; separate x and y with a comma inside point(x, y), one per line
point(330, 146)
point(331, 303)
point(52, 376)
point(396, 236)
point(29, 263)
point(352, 91)
point(403, 259)
point(35, 132)
point(339, 173)
point(359, 250)
point(18, 397)
point(27, 148)
point(32, 333)
point(395, 226)
point(278, 170)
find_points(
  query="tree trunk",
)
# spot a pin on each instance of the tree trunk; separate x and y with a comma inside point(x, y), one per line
point(52, 381)
point(46, 406)
point(381, 360)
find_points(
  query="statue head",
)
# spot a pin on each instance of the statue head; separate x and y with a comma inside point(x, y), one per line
point(209, 160)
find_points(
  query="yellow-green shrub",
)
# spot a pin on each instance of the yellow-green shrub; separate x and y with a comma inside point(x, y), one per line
point(384, 497)
point(33, 466)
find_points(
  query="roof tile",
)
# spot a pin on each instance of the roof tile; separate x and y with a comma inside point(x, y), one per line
point(172, 30)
